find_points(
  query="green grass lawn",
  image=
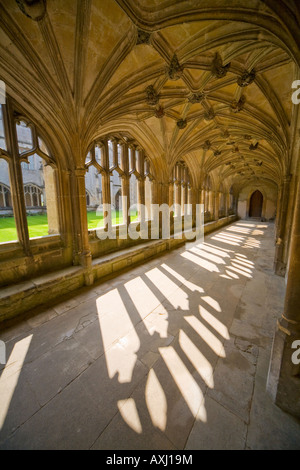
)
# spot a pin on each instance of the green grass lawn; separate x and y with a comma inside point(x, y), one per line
point(37, 227)
point(38, 224)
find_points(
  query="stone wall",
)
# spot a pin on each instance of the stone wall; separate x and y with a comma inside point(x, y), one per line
point(269, 192)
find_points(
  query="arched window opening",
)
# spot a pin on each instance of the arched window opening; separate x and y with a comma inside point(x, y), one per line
point(231, 201)
point(33, 196)
point(93, 187)
point(148, 189)
point(39, 185)
point(116, 198)
point(133, 194)
point(181, 187)
point(24, 136)
point(8, 231)
point(5, 197)
point(222, 202)
point(119, 175)
point(33, 171)
point(87, 198)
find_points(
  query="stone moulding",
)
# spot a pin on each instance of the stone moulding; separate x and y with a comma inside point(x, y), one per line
point(34, 9)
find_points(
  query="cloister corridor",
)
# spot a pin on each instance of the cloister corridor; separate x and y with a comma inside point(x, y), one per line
point(172, 354)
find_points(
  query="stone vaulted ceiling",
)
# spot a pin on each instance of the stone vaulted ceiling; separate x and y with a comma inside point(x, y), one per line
point(204, 82)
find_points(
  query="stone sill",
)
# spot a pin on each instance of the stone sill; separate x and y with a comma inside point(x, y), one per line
point(14, 249)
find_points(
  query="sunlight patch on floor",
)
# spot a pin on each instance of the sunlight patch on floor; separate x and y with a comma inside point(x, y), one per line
point(208, 337)
point(156, 401)
point(10, 375)
point(218, 326)
point(185, 382)
point(211, 267)
point(197, 359)
point(129, 413)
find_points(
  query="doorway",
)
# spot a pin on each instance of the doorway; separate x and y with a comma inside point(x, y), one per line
point(256, 203)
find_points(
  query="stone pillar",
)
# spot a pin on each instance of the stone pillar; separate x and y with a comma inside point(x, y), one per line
point(193, 198)
point(82, 248)
point(284, 373)
point(280, 262)
point(211, 203)
point(217, 205)
point(171, 201)
point(202, 196)
point(115, 152)
point(148, 197)
point(16, 180)
point(51, 199)
point(177, 199)
point(141, 185)
point(227, 204)
point(106, 185)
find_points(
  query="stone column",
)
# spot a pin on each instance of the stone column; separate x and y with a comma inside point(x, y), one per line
point(193, 198)
point(171, 202)
point(284, 373)
point(211, 203)
point(106, 186)
point(280, 262)
point(227, 204)
point(216, 205)
point(202, 196)
point(50, 177)
point(141, 185)
point(148, 197)
point(115, 152)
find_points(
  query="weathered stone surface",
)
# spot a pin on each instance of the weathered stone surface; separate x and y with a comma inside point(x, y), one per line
point(152, 359)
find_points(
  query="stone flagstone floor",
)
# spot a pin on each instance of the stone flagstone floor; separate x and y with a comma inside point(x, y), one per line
point(172, 354)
